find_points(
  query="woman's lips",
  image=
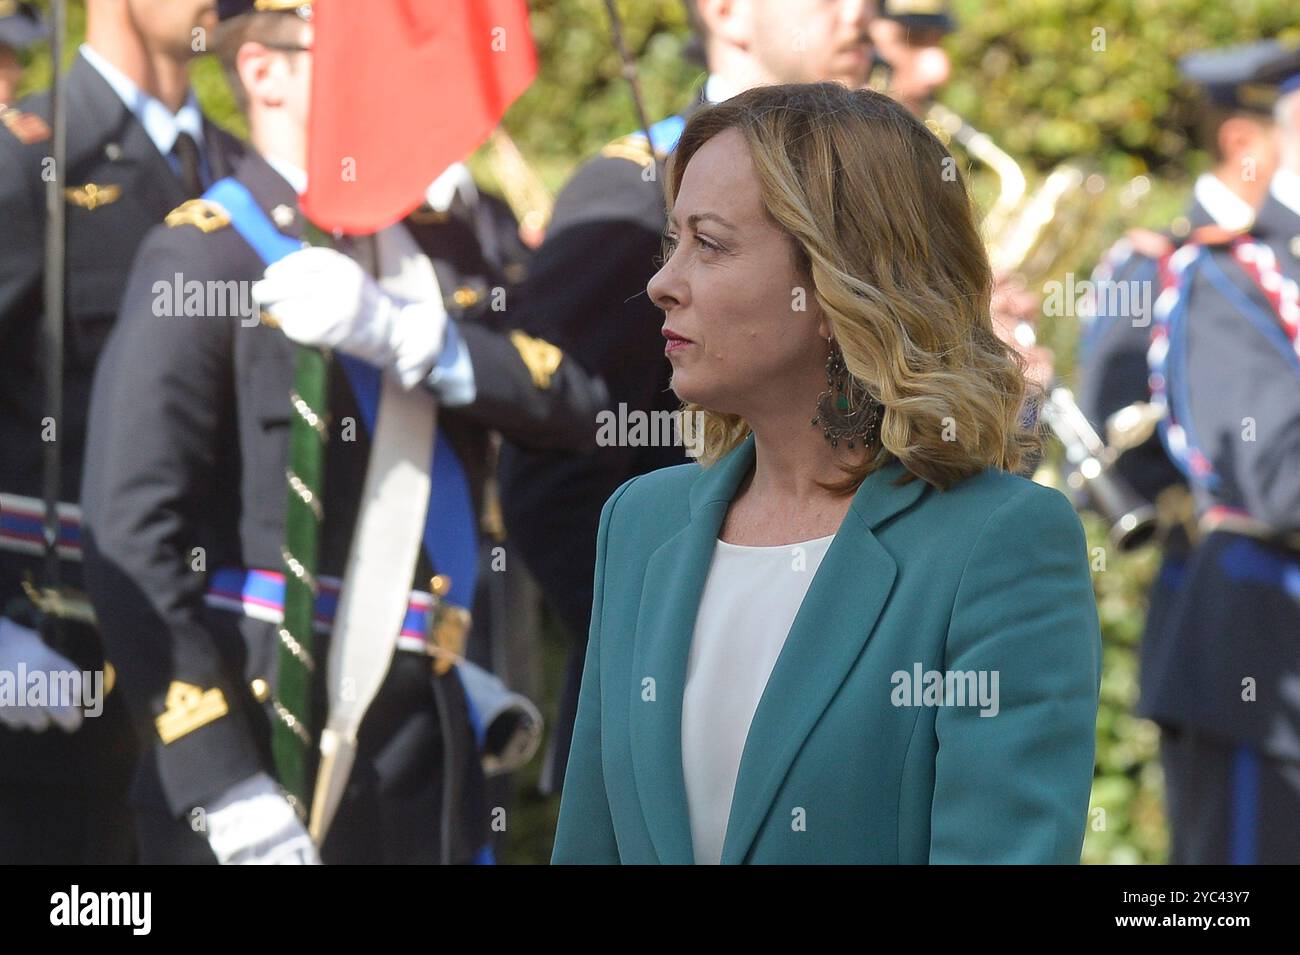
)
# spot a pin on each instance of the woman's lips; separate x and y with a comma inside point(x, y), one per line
point(675, 341)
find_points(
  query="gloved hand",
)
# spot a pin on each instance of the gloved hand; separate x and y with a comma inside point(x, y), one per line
point(253, 824)
point(321, 297)
point(18, 645)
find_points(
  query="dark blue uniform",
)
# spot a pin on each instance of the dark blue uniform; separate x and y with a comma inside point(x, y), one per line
point(62, 796)
point(1113, 375)
point(1226, 689)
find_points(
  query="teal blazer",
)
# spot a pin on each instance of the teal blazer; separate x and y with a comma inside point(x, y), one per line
point(844, 763)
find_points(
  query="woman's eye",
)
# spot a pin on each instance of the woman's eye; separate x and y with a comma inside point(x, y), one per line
point(667, 245)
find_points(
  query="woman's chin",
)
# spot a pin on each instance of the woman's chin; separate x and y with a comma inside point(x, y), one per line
point(697, 393)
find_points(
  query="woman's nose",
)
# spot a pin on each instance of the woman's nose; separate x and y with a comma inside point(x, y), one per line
point(663, 288)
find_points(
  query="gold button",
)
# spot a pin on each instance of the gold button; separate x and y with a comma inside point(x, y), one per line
point(465, 296)
point(261, 690)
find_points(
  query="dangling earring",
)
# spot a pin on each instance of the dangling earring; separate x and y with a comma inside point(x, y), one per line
point(845, 409)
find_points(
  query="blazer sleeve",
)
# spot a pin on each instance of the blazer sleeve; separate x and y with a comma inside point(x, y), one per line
point(1014, 786)
point(585, 831)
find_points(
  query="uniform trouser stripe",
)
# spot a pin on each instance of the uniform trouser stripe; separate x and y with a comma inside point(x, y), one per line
point(1243, 807)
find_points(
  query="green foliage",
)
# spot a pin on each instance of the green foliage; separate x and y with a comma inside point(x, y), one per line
point(1060, 78)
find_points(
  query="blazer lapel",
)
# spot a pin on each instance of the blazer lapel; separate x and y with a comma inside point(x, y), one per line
point(670, 597)
point(834, 623)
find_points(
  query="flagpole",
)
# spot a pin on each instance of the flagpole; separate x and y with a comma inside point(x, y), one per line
point(52, 326)
point(629, 71)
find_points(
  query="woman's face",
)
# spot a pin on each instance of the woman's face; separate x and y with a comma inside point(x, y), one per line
point(743, 330)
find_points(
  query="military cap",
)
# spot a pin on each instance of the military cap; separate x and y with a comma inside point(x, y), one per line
point(919, 14)
point(20, 24)
point(234, 8)
point(1248, 77)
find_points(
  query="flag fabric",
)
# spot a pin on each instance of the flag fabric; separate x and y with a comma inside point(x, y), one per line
point(401, 89)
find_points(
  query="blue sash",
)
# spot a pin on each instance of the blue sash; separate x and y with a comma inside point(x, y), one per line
point(450, 534)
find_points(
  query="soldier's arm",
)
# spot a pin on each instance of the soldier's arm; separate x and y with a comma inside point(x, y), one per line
point(1243, 392)
point(161, 414)
point(21, 240)
point(1113, 370)
point(529, 390)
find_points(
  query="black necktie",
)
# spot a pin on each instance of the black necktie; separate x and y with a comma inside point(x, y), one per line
point(186, 152)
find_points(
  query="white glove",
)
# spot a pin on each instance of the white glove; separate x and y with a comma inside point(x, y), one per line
point(253, 824)
point(321, 297)
point(19, 645)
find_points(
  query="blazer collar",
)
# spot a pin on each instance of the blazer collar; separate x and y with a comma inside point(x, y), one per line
point(833, 625)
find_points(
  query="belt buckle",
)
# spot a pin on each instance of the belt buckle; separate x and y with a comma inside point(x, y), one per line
point(448, 627)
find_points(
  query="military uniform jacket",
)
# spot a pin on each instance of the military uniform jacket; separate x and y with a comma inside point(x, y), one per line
point(118, 187)
point(1234, 668)
point(1113, 373)
point(188, 449)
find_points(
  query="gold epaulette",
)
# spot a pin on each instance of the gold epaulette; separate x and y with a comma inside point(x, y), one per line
point(203, 214)
point(28, 128)
point(632, 147)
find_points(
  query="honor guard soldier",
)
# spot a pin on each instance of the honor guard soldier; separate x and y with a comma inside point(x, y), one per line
point(1224, 364)
point(137, 146)
point(191, 468)
point(586, 292)
point(1238, 130)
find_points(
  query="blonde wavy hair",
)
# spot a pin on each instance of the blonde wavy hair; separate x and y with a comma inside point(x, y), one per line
point(883, 227)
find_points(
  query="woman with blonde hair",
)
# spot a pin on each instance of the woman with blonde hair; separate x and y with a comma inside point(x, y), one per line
point(850, 633)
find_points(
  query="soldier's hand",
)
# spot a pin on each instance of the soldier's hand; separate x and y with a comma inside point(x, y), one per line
point(252, 823)
point(322, 298)
point(21, 646)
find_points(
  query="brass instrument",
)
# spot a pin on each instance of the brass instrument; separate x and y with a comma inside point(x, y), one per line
point(1028, 236)
point(528, 197)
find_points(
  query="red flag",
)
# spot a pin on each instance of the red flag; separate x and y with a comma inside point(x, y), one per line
point(401, 89)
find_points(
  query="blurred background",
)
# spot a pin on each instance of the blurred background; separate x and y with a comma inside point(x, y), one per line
point(1088, 83)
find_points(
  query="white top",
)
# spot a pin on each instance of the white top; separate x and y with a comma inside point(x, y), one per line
point(749, 601)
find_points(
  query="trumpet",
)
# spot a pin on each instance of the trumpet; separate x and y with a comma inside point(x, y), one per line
point(525, 193)
point(1024, 234)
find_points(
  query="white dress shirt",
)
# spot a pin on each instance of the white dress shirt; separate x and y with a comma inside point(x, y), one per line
point(160, 123)
point(750, 599)
point(1285, 186)
point(1225, 207)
